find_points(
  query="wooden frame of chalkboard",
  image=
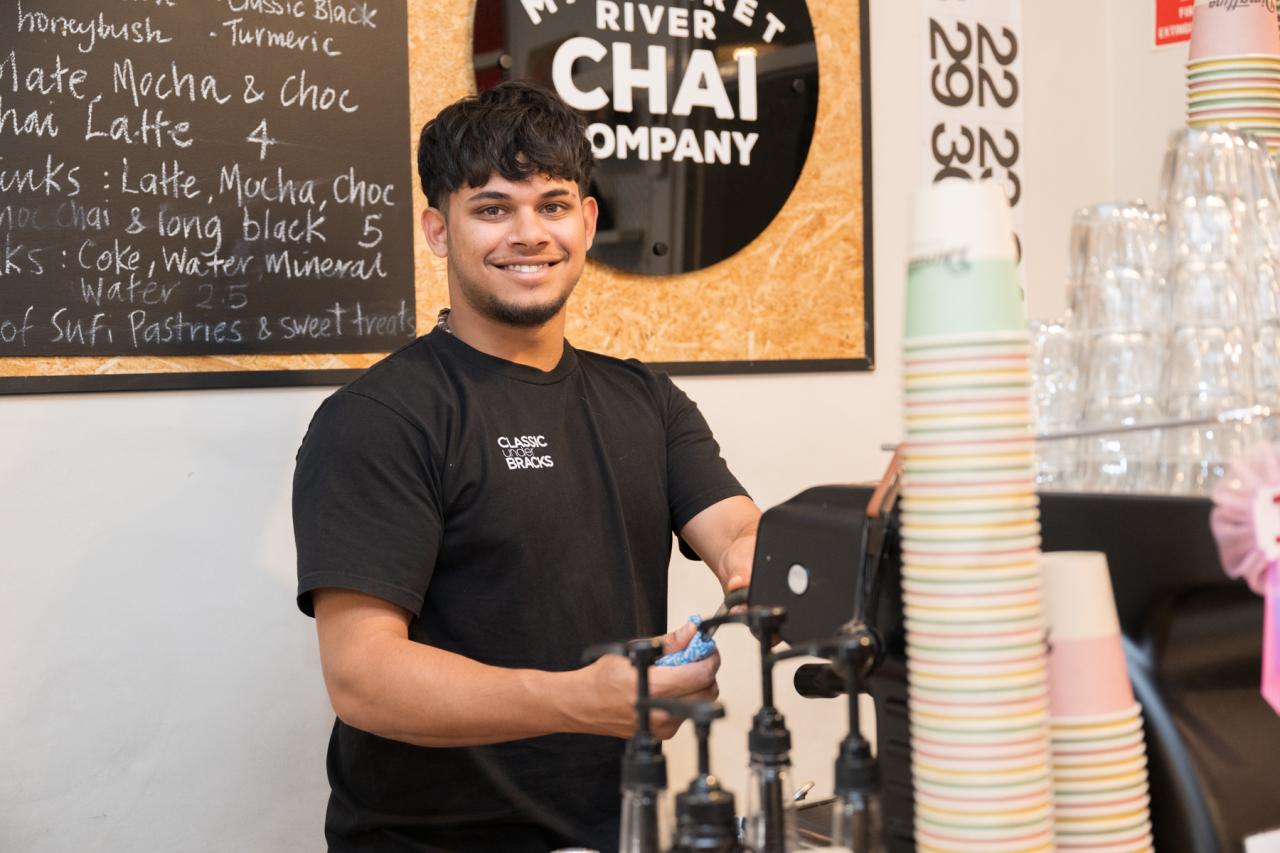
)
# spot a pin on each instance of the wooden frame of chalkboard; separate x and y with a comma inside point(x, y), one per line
point(320, 369)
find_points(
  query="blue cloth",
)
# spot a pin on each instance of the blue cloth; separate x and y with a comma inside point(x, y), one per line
point(699, 647)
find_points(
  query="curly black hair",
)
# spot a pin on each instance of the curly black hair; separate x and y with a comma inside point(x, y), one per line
point(517, 129)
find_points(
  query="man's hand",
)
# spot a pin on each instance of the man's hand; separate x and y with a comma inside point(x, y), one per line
point(614, 686)
point(736, 562)
point(724, 535)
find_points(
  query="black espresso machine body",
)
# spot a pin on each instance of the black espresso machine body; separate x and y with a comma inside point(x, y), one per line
point(1192, 642)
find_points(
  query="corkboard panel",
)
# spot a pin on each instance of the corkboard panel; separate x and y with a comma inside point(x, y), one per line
point(794, 294)
point(792, 299)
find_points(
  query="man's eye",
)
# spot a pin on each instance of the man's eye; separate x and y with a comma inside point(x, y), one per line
point(492, 210)
point(555, 207)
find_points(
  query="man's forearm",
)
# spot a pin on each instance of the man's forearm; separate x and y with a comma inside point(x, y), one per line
point(382, 682)
point(422, 695)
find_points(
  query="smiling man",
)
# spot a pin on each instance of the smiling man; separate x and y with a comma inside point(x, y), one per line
point(488, 501)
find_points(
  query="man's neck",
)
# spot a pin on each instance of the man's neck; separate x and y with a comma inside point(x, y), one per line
point(539, 347)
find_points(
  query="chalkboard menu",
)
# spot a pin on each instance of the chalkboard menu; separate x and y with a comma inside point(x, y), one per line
point(204, 177)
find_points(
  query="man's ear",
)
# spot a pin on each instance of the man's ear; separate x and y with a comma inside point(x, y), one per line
point(436, 230)
point(590, 213)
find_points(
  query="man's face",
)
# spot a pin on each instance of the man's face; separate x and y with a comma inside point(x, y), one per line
point(516, 249)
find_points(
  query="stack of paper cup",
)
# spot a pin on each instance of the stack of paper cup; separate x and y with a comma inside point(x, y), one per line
point(971, 536)
point(1101, 800)
point(1233, 68)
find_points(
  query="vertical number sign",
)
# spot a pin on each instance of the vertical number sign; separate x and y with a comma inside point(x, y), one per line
point(972, 128)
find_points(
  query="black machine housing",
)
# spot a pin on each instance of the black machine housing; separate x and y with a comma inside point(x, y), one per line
point(1192, 641)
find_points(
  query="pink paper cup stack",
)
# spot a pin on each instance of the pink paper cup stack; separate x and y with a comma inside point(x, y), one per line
point(977, 674)
point(1101, 798)
point(1233, 68)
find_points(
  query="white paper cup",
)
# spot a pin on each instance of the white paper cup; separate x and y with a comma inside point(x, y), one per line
point(963, 340)
point(938, 541)
point(1066, 772)
point(927, 631)
point(974, 657)
point(919, 520)
point(939, 465)
point(1110, 783)
point(1233, 30)
point(968, 669)
point(987, 453)
point(1095, 722)
point(950, 696)
point(964, 817)
point(1015, 488)
point(992, 616)
point(1087, 670)
point(941, 749)
point(1104, 808)
point(919, 425)
point(1096, 734)
point(1071, 799)
point(994, 534)
point(965, 401)
point(921, 602)
point(1088, 748)
point(1019, 735)
point(1144, 847)
point(1128, 835)
point(989, 378)
point(1025, 541)
point(972, 711)
point(945, 589)
point(956, 842)
point(999, 723)
point(1099, 758)
point(1016, 443)
point(967, 565)
point(935, 641)
point(979, 775)
point(1015, 825)
point(977, 643)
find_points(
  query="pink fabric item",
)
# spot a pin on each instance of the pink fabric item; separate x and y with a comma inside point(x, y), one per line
point(1245, 524)
point(1271, 642)
point(1232, 521)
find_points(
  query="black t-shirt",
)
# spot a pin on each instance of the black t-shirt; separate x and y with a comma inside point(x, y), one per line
point(520, 516)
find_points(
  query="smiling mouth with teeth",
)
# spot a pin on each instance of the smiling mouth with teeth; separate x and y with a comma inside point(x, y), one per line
point(527, 268)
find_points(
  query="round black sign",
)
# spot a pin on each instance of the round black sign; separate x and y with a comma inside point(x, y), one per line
point(700, 112)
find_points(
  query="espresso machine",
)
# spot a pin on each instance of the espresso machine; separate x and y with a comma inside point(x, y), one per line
point(829, 558)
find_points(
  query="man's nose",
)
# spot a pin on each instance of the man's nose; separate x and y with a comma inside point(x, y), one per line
point(528, 229)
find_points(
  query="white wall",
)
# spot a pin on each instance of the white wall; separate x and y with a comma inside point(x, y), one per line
point(158, 689)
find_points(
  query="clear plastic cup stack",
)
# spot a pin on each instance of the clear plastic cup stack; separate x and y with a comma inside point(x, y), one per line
point(1118, 319)
point(1221, 269)
point(1174, 316)
point(1055, 404)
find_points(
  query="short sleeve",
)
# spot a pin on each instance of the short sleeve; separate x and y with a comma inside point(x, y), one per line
point(366, 503)
point(697, 475)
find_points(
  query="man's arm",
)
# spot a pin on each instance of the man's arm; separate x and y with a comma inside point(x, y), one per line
point(724, 535)
point(382, 682)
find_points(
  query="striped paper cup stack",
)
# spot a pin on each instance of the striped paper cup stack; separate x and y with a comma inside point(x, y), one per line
point(971, 536)
point(1233, 68)
point(1101, 799)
